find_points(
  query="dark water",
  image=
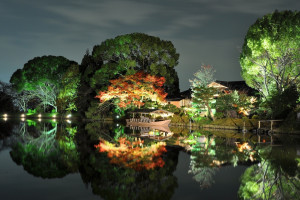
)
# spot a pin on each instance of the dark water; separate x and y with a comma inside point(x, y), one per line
point(49, 160)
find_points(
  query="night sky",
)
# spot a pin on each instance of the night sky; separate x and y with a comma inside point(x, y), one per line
point(202, 31)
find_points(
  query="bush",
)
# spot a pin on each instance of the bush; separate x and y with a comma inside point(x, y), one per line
point(219, 115)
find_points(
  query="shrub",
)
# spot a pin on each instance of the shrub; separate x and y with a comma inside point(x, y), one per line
point(219, 115)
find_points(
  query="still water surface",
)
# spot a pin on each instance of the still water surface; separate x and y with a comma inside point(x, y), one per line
point(49, 160)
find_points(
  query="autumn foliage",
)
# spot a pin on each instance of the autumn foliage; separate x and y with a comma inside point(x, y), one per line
point(133, 154)
point(134, 89)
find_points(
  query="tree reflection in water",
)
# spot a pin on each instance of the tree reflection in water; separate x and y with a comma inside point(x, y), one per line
point(49, 150)
point(114, 181)
point(134, 154)
point(41, 150)
point(276, 176)
point(209, 153)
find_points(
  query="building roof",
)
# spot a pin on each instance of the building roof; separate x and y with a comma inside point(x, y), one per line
point(238, 85)
point(228, 85)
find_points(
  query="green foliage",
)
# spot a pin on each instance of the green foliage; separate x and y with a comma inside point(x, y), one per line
point(31, 111)
point(127, 54)
point(96, 112)
point(255, 117)
point(249, 187)
point(41, 77)
point(66, 100)
point(172, 108)
point(237, 101)
point(279, 105)
point(202, 95)
point(36, 162)
point(219, 115)
point(180, 118)
point(270, 55)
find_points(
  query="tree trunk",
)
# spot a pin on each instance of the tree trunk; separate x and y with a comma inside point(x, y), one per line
point(210, 113)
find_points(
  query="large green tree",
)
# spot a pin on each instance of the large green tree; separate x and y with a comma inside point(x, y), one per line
point(127, 54)
point(271, 53)
point(41, 77)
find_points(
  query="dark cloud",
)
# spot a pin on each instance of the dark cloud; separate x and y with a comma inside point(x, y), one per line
point(203, 31)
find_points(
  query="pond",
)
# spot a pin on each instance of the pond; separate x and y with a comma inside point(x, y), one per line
point(67, 160)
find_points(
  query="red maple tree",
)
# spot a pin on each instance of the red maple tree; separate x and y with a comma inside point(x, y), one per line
point(133, 154)
point(134, 90)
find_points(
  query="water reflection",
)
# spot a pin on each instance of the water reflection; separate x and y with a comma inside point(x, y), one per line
point(124, 179)
point(130, 166)
point(276, 176)
point(44, 150)
point(134, 154)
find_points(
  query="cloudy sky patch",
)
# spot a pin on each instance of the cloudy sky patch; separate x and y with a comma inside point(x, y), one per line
point(203, 31)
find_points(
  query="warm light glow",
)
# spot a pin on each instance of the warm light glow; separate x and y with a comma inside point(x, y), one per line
point(54, 116)
point(133, 154)
point(246, 147)
point(39, 115)
point(5, 115)
point(22, 115)
point(69, 121)
point(244, 111)
point(5, 118)
point(69, 115)
point(22, 119)
point(39, 119)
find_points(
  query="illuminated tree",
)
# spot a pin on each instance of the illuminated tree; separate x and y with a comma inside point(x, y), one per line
point(41, 77)
point(133, 90)
point(235, 100)
point(66, 100)
point(130, 53)
point(270, 54)
point(202, 95)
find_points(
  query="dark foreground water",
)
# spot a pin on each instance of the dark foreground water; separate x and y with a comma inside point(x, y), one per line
point(49, 160)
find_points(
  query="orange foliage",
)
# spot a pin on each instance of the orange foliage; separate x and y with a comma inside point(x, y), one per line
point(133, 89)
point(133, 154)
point(245, 147)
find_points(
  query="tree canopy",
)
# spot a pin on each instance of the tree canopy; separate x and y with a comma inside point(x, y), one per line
point(202, 94)
point(270, 54)
point(133, 90)
point(130, 53)
point(42, 77)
